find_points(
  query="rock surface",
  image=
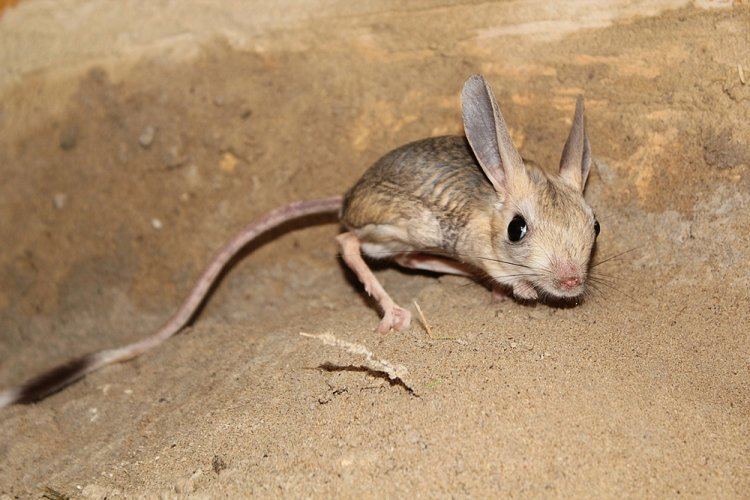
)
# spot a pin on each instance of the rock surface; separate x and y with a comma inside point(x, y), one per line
point(642, 390)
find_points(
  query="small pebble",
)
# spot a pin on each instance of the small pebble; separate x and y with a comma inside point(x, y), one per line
point(218, 464)
point(122, 153)
point(228, 162)
point(413, 437)
point(174, 158)
point(156, 223)
point(147, 136)
point(68, 138)
point(59, 200)
point(192, 175)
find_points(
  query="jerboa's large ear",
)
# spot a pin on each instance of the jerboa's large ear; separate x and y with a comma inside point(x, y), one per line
point(487, 133)
point(576, 156)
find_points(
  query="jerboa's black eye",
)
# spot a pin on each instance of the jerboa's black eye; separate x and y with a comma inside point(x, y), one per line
point(596, 227)
point(517, 229)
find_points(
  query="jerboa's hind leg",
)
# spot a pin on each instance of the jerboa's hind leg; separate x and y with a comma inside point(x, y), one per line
point(394, 317)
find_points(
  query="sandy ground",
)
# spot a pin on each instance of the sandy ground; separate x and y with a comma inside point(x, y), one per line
point(642, 390)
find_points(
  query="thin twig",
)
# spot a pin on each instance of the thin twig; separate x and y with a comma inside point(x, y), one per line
point(397, 373)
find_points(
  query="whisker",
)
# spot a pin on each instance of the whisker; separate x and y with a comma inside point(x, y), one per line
point(591, 293)
point(606, 217)
point(491, 280)
point(614, 257)
point(618, 290)
point(612, 280)
point(479, 280)
point(535, 275)
point(606, 277)
point(598, 279)
point(611, 277)
point(593, 287)
point(604, 283)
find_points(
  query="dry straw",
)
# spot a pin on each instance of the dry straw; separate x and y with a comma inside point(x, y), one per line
point(397, 373)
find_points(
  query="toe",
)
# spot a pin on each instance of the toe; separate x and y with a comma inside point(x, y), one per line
point(395, 318)
point(403, 319)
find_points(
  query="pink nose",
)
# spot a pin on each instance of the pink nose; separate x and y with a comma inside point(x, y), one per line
point(570, 282)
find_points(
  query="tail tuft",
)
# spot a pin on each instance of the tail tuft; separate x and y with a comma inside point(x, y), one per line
point(50, 381)
point(9, 397)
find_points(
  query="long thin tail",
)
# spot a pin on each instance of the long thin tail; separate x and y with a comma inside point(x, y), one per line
point(55, 379)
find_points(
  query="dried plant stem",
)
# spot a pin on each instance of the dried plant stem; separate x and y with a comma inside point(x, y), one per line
point(393, 371)
point(423, 320)
point(427, 328)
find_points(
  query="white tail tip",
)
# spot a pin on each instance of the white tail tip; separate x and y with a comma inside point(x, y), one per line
point(8, 397)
